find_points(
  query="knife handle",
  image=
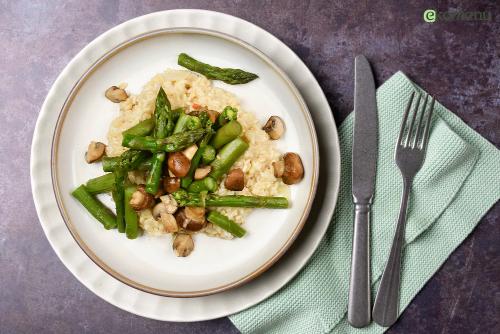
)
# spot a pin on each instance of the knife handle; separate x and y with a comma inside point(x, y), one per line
point(359, 309)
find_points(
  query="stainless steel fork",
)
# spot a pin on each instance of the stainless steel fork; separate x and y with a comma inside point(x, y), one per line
point(410, 153)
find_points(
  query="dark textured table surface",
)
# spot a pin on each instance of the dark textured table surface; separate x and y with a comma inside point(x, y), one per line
point(457, 62)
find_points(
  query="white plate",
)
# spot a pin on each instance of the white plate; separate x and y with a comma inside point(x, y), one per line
point(104, 285)
point(148, 263)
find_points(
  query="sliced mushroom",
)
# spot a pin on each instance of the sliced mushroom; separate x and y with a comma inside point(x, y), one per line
point(169, 222)
point(190, 151)
point(171, 184)
point(294, 170)
point(235, 180)
point(141, 199)
point(178, 164)
point(191, 219)
point(212, 115)
point(116, 94)
point(158, 209)
point(183, 245)
point(170, 203)
point(169, 172)
point(275, 127)
point(195, 213)
point(279, 168)
point(201, 172)
point(95, 151)
point(167, 205)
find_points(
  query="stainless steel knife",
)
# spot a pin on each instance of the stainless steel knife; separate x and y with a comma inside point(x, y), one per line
point(364, 161)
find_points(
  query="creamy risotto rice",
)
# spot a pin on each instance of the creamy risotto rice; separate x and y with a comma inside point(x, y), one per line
point(184, 89)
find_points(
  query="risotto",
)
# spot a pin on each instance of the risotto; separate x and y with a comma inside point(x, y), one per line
point(183, 158)
point(186, 89)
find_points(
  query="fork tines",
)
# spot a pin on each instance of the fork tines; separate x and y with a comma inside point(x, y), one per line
point(417, 135)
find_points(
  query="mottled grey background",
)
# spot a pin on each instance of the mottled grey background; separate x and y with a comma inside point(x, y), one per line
point(458, 63)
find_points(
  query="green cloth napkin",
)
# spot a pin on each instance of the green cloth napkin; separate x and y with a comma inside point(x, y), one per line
point(457, 185)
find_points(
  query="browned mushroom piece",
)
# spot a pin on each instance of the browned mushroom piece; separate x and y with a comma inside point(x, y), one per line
point(191, 218)
point(201, 172)
point(169, 222)
point(171, 184)
point(95, 151)
point(294, 170)
point(141, 199)
point(116, 94)
point(178, 164)
point(235, 180)
point(275, 127)
point(279, 168)
point(212, 115)
point(183, 244)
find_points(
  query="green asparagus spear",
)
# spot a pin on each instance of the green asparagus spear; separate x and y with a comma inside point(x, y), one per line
point(147, 143)
point(225, 223)
point(195, 161)
point(205, 184)
point(143, 128)
point(163, 116)
point(208, 154)
point(131, 219)
point(173, 143)
point(228, 114)
point(118, 194)
point(240, 201)
point(227, 157)
point(184, 198)
point(129, 160)
point(226, 133)
point(231, 76)
point(109, 164)
point(187, 123)
point(164, 126)
point(154, 176)
point(176, 113)
point(101, 184)
point(205, 120)
point(193, 123)
point(95, 207)
point(181, 123)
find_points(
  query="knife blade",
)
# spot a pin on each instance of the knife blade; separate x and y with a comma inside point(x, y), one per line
point(364, 163)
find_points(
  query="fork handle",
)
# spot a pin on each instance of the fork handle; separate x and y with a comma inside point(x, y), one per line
point(359, 307)
point(386, 306)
